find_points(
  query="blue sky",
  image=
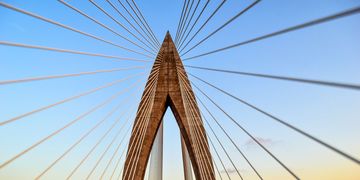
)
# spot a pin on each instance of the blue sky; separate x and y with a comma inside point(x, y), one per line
point(329, 51)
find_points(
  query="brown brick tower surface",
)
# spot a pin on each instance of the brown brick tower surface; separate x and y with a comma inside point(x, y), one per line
point(168, 85)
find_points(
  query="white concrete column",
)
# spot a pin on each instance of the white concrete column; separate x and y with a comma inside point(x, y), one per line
point(156, 158)
point(186, 162)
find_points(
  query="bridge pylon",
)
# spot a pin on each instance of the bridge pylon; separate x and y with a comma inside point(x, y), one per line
point(168, 86)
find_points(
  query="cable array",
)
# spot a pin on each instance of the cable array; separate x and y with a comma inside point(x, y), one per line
point(119, 138)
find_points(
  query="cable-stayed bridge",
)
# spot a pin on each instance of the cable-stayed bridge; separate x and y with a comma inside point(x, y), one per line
point(120, 134)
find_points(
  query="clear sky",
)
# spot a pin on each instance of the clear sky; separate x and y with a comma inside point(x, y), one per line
point(329, 51)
